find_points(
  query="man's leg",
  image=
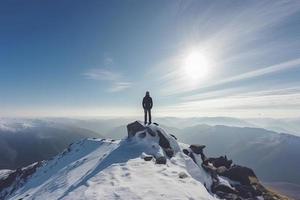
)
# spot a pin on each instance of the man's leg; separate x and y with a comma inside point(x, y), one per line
point(149, 112)
point(145, 116)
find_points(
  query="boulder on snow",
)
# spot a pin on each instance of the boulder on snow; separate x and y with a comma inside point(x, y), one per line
point(223, 188)
point(169, 152)
point(247, 191)
point(240, 174)
point(182, 175)
point(227, 196)
point(163, 141)
point(186, 152)
point(174, 136)
point(161, 160)
point(220, 161)
point(134, 127)
point(148, 158)
point(196, 148)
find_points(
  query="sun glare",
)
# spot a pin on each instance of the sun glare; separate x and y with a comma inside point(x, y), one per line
point(195, 66)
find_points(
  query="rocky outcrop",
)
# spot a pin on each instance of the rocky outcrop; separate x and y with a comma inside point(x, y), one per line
point(242, 182)
point(138, 129)
point(244, 175)
point(229, 181)
point(221, 161)
point(16, 179)
point(161, 160)
point(133, 128)
point(198, 149)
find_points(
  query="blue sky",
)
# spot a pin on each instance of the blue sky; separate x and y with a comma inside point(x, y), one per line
point(197, 58)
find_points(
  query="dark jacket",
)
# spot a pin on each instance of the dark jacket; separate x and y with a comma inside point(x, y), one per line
point(147, 102)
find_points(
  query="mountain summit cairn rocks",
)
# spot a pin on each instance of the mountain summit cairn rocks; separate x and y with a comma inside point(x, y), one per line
point(134, 127)
point(138, 129)
point(227, 180)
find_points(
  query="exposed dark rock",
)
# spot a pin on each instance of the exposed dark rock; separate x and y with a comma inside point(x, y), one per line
point(182, 175)
point(133, 128)
point(223, 188)
point(163, 141)
point(174, 136)
point(196, 148)
point(151, 132)
point(185, 151)
point(212, 170)
point(193, 157)
point(161, 160)
point(169, 152)
point(227, 196)
point(148, 158)
point(142, 135)
point(246, 191)
point(17, 177)
point(240, 174)
point(220, 161)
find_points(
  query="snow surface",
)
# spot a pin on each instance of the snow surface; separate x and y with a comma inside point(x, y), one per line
point(106, 169)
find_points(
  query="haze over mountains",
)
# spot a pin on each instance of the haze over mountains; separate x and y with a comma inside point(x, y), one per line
point(273, 156)
point(147, 164)
point(23, 142)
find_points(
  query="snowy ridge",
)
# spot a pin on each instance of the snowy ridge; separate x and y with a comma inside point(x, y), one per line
point(106, 169)
point(148, 164)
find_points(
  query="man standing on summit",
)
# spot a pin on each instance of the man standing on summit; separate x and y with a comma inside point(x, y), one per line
point(147, 105)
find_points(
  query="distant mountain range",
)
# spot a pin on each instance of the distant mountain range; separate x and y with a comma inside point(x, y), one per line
point(267, 152)
point(274, 156)
point(290, 126)
point(23, 142)
point(148, 164)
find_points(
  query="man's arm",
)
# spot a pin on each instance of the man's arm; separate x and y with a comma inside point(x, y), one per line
point(143, 103)
point(151, 103)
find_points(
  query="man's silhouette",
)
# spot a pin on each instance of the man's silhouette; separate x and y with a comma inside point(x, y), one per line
point(147, 105)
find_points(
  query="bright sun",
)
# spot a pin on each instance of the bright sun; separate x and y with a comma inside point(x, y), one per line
point(195, 66)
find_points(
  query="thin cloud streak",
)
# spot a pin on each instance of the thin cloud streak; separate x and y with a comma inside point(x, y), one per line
point(263, 71)
point(114, 79)
point(179, 88)
point(102, 75)
point(240, 91)
point(119, 86)
point(276, 105)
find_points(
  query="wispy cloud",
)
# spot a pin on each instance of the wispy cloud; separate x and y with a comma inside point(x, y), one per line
point(119, 86)
point(115, 79)
point(271, 103)
point(263, 71)
point(102, 75)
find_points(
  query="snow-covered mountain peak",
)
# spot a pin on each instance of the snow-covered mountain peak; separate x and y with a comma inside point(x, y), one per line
point(148, 164)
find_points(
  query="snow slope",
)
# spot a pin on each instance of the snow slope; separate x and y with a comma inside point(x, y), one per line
point(107, 169)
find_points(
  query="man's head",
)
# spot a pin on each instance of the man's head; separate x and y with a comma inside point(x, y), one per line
point(147, 93)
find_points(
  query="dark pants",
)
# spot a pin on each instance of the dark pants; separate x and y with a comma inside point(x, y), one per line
point(149, 113)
